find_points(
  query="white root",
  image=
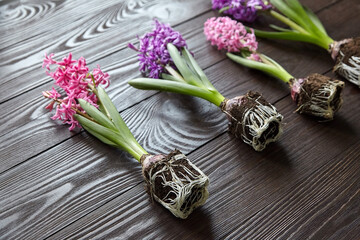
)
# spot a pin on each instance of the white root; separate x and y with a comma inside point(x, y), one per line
point(349, 71)
point(258, 120)
point(189, 189)
point(320, 101)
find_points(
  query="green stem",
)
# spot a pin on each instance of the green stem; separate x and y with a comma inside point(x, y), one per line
point(107, 125)
point(174, 73)
point(182, 66)
point(138, 150)
point(269, 66)
point(101, 105)
point(112, 137)
point(295, 36)
point(197, 71)
point(212, 96)
point(316, 36)
point(264, 60)
point(224, 9)
point(287, 21)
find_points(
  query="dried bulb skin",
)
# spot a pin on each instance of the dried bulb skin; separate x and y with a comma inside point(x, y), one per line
point(174, 182)
point(317, 95)
point(346, 53)
point(253, 119)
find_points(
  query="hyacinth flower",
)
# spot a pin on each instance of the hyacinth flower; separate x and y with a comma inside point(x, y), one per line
point(171, 179)
point(305, 26)
point(242, 10)
point(165, 59)
point(315, 95)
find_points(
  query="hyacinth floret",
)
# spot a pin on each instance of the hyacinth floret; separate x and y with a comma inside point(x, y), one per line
point(230, 35)
point(153, 54)
point(74, 78)
point(242, 10)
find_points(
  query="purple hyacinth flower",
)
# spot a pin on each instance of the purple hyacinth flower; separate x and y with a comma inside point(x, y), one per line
point(242, 10)
point(153, 54)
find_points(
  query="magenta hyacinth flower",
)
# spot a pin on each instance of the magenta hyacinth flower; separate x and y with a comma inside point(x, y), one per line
point(242, 10)
point(74, 78)
point(153, 54)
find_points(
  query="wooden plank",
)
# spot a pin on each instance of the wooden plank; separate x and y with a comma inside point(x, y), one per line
point(94, 32)
point(67, 182)
point(309, 209)
point(129, 216)
point(52, 190)
point(301, 191)
point(44, 134)
point(221, 75)
point(74, 179)
point(122, 66)
point(120, 71)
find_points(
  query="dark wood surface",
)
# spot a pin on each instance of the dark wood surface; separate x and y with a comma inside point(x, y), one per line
point(56, 184)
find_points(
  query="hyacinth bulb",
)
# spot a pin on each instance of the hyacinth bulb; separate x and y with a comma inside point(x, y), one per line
point(346, 53)
point(175, 182)
point(317, 95)
point(253, 119)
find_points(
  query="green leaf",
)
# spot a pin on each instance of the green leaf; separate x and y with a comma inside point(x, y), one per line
point(103, 132)
point(177, 87)
point(113, 112)
point(302, 20)
point(294, 36)
point(109, 128)
point(170, 77)
point(314, 19)
point(298, 9)
point(182, 66)
point(175, 74)
point(118, 121)
point(309, 24)
point(288, 11)
point(96, 114)
point(265, 58)
point(110, 136)
point(272, 70)
point(101, 138)
point(192, 62)
point(188, 62)
point(224, 9)
point(280, 28)
point(102, 109)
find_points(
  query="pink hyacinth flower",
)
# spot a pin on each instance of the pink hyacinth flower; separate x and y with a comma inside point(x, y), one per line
point(74, 78)
point(48, 61)
point(230, 35)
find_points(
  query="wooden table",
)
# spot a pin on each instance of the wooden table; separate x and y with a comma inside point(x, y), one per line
point(57, 184)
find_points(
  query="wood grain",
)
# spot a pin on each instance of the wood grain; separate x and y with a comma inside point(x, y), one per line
point(56, 184)
point(259, 189)
point(222, 75)
point(242, 153)
point(81, 34)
